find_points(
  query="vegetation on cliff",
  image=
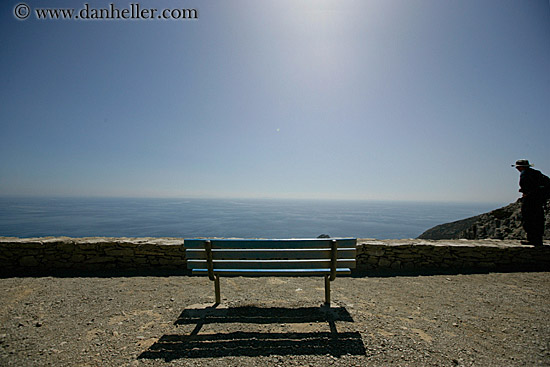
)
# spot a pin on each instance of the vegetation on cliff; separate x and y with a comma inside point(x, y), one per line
point(503, 223)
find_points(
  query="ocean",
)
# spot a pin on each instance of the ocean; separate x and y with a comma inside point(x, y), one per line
point(245, 218)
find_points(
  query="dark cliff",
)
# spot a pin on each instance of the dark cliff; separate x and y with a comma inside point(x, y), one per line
point(503, 223)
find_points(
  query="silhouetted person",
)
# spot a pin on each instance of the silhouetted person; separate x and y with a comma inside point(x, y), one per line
point(532, 185)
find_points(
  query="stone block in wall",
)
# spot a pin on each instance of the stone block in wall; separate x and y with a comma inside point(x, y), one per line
point(425, 265)
point(28, 261)
point(77, 258)
point(174, 262)
point(61, 265)
point(438, 251)
point(120, 252)
point(373, 260)
point(31, 245)
point(66, 247)
point(374, 251)
point(126, 260)
point(5, 251)
point(99, 259)
point(148, 250)
point(84, 246)
point(169, 247)
point(140, 260)
point(409, 255)
point(384, 263)
point(396, 265)
point(408, 266)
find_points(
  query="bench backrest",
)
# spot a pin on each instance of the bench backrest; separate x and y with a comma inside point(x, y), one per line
point(270, 256)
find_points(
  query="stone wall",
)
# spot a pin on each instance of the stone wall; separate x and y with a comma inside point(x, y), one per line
point(90, 254)
point(420, 256)
point(51, 255)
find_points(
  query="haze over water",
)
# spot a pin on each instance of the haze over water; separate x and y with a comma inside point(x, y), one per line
point(247, 218)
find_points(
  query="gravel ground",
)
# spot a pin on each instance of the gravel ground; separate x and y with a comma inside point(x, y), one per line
point(495, 319)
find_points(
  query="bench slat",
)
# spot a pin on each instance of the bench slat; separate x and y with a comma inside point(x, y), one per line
point(266, 254)
point(270, 243)
point(270, 264)
point(272, 272)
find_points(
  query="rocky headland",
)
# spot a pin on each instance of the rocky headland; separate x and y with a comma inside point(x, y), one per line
point(503, 223)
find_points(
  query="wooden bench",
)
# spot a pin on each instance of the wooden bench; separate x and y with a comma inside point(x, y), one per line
point(326, 257)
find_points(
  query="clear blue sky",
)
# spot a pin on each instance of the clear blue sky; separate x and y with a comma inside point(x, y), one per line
point(392, 100)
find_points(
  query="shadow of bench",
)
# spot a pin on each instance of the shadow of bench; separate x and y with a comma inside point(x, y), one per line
point(252, 344)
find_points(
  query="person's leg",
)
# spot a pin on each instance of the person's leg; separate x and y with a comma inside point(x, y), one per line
point(533, 221)
point(538, 226)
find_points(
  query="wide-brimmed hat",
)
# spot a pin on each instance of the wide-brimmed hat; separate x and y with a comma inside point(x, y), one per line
point(522, 163)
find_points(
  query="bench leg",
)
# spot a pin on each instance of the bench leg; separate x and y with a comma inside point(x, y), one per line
point(217, 289)
point(327, 290)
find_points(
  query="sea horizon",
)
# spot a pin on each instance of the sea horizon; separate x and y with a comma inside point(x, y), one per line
point(71, 216)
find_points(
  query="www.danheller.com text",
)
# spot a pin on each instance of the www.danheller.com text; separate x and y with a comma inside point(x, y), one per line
point(134, 11)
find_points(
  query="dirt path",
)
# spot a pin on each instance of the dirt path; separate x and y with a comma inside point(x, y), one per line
point(498, 319)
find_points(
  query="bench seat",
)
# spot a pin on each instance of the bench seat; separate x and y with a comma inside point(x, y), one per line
point(273, 272)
